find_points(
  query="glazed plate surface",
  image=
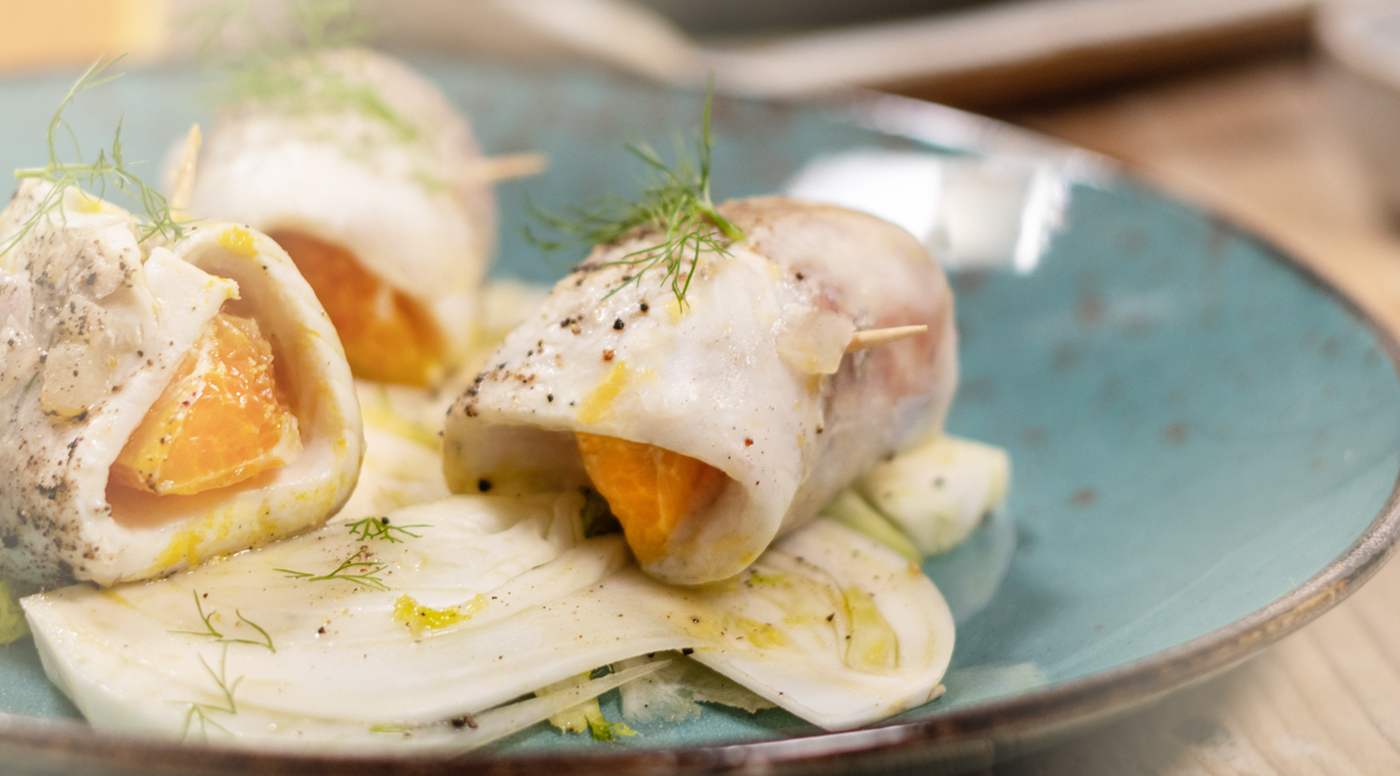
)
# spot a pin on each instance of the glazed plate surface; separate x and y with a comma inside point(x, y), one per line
point(1205, 438)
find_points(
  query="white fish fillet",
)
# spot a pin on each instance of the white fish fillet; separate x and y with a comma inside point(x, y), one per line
point(750, 378)
point(96, 324)
point(405, 197)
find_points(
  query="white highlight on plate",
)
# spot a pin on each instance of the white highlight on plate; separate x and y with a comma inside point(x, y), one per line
point(970, 212)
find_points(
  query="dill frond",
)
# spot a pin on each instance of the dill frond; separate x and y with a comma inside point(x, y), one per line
point(380, 528)
point(303, 85)
point(329, 23)
point(221, 679)
point(368, 576)
point(109, 169)
point(675, 202)
point(212, 632)
point(287, 74)
point(202, 711)
point(229, 31)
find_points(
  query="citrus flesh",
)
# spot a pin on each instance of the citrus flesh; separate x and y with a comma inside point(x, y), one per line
point(387, 335)
point(650, 489)
point(220, 421)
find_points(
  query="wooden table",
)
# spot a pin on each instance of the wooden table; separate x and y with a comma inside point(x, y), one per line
point(1260, 144)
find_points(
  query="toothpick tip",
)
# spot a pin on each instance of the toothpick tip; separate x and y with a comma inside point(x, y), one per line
point(510, 166)
point(869, 338)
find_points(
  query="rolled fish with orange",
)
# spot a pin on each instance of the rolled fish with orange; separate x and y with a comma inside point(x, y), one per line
point(165, 398)
point(715, 421)
point(363, 171)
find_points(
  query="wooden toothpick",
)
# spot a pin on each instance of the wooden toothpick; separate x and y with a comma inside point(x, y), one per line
point(872, 337)
point(500, 168)
point(184, 176)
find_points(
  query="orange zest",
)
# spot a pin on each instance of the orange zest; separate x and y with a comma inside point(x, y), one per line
point(220, 421)
point(388, 336)
point(651, 490)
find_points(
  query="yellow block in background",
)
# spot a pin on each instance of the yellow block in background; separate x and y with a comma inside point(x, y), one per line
point(41, 33)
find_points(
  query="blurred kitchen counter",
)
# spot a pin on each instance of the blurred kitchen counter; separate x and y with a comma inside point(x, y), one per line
point(1260, 144)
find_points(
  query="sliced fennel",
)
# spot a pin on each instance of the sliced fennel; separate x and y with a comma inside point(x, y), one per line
point(347, 673)
point(458, 735)
point(675, 692)
point(12, 624)
point(502, 721)
point(851, 509)
point(935, 493)
point(587, 716)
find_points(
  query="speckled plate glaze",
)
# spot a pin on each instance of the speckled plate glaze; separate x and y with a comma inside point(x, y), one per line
point(1206, 438)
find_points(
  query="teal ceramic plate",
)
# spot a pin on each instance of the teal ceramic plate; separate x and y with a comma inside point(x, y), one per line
point(1206, 438)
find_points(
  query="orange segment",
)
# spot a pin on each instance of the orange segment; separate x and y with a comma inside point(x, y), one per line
point(387, 335)
point(219, 422)
point(650, 489)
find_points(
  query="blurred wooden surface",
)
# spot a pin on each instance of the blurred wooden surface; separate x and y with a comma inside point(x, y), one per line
point(36, 34)
point(1260, 144)
point(1056, 75)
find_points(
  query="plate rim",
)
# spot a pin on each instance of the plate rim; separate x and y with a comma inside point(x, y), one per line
point(985, 731)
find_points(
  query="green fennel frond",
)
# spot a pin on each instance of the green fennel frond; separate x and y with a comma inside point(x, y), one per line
point(380, 528)
point(201, 711)
point(329, 23)
point(109, 170)
point(368, 575)
point(221, 679)
point(287, 74)
point(229, 31)
point(675, 203)
point(212, 632)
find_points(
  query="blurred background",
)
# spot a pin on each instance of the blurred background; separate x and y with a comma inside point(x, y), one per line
point(1283, 115)
point(979, 54)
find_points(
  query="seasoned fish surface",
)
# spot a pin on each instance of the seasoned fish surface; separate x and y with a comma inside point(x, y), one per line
point(748, 377)
point(96, 325)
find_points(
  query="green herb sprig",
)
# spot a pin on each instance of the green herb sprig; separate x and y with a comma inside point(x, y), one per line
point(109, 169)
point(202, 711)
point(380, 528)
point(675, 202)
point(285, 73)
point(212, 632)
point(317, 25)
point(368, 576)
